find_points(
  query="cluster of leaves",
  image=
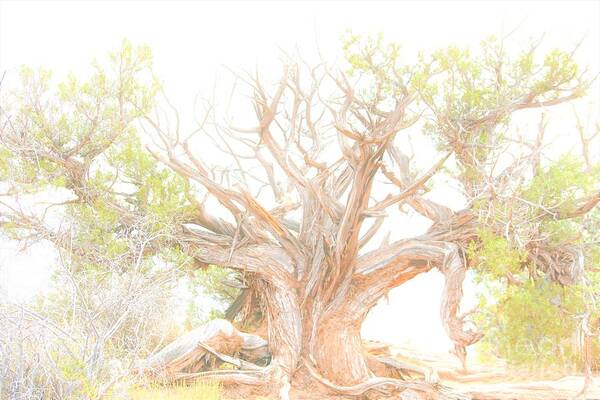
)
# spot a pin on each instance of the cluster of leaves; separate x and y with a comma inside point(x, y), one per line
point(468, 94)
point(74, 370)
point(80, 143)
point(215, 283)
point(79, 119)
point(535, 324)
point(476, 91)
point(559, 185)
point(529, 319)
point(385, 74)
point(493, 255)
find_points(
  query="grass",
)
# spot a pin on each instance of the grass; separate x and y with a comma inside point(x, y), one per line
point(196, 391)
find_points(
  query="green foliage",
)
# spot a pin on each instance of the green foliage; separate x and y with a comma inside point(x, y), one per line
point(380, 65)
point(156, 191)
point(211, 278)
point(468, 94)
point(84, 144)
point(370, 54)
point(72, 369)
point(80, 119)
point(559, 68)
point(494, 256)
point(561, 183)
point(209, 283)
point(562, 232)
point(534, 324)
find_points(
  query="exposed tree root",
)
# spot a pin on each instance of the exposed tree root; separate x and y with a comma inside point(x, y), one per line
point(375, 383)
point(404, 369)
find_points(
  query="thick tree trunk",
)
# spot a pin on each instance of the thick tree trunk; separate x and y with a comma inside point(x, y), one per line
point(339, 353)
point(332, 341)
point(314, 320)
point(285, 334)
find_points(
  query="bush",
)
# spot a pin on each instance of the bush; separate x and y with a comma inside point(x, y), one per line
point(82, 337)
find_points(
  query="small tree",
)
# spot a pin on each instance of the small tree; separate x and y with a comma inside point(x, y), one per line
point(83, 335)
point(318, 156)
point(73, 174)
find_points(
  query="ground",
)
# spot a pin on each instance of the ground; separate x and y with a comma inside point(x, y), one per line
point(495, 380)
point(484, 381)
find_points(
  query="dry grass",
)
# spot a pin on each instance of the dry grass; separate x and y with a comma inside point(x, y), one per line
point(196, 391)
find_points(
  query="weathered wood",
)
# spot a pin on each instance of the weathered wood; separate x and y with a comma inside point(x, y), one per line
point(200, 349)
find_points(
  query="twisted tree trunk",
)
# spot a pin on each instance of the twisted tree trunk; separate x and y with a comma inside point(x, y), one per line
point(321, 331)
point(338, 352)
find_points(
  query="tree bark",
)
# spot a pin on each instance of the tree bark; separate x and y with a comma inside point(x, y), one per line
point(284, 325)
point(339, 353)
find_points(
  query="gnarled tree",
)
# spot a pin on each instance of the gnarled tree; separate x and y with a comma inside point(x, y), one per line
point(322, 145)
point(301, 208)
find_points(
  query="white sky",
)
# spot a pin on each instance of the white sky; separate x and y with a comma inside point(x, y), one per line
point(192, 40)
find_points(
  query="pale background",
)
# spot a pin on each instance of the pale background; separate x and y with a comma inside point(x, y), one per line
point(192, 40)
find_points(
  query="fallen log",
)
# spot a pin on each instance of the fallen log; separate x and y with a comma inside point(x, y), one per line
point(205, 348)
